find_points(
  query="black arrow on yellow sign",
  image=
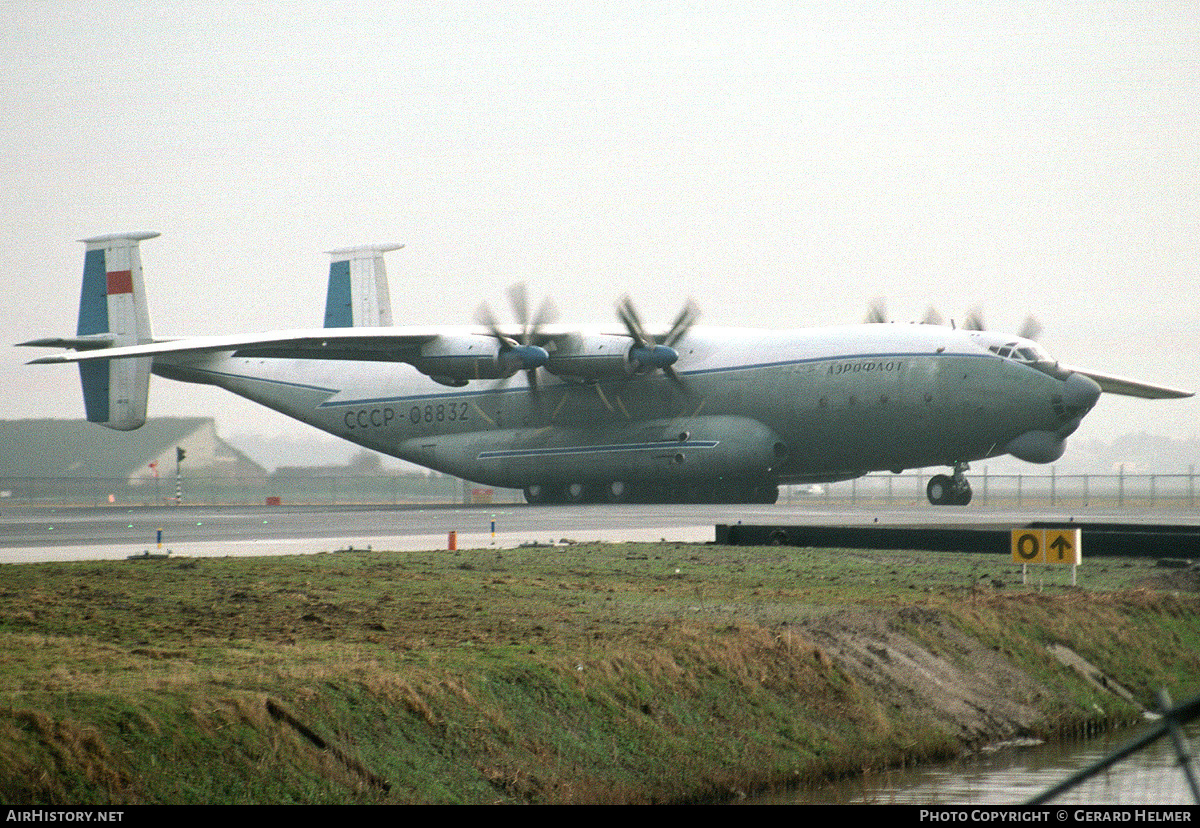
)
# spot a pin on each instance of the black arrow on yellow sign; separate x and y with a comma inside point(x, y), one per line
point(1065, 544)
point(1056, 546)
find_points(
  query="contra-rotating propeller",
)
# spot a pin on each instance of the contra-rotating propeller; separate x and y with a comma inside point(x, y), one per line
point(877, 314)
point(1030, 328)
point(523, 354)
point(649, 354)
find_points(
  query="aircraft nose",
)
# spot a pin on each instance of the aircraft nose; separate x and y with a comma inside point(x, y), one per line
point(1079, 394)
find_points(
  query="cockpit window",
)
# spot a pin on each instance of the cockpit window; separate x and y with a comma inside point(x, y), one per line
point(1021, 353)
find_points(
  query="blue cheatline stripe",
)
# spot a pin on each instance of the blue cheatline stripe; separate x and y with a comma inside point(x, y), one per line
point(556, 452)
point(834, 358)
point(726, 369)
point(94, 378)
point(426, 396)
point(337, 300)
point(93, 300)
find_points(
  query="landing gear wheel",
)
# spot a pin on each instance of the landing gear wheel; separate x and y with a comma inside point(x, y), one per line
point(576, 493)
point(940, 490)
point(537, 494)
point(962, 495)
point(617, 492)
point(944, 490)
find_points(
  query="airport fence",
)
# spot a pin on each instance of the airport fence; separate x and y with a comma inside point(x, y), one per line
point(1043, 491)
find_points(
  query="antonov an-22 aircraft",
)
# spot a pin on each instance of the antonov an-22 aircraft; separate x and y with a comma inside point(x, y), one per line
point(610, 412)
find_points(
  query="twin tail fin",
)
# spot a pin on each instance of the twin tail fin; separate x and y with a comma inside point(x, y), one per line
point(358, 288)
point(113, 312)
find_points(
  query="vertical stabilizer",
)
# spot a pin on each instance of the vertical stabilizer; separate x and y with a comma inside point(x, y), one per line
point(112, 306)
point(358, 288)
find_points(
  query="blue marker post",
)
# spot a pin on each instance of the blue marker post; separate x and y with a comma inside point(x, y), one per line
point(493, 530)
point(160, 538)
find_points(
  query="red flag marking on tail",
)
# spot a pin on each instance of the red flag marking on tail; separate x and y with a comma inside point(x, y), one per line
point(120, 281)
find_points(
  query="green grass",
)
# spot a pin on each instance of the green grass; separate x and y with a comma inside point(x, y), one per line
point(589, 673)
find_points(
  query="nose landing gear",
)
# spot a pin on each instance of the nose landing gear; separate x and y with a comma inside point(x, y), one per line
point(950, 490)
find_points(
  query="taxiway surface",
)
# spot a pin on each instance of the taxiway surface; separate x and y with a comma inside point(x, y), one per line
point(29, 533)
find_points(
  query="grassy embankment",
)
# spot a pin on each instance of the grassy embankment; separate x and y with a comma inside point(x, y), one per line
point(590, 673)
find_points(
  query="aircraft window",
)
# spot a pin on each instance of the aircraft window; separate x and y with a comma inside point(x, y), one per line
point(1021, 353)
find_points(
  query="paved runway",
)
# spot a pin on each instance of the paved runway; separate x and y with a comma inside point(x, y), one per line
point(29, 534)
point(32, 534)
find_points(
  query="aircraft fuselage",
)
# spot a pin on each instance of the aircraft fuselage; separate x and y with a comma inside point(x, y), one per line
point(767, 406)
point(615, 412)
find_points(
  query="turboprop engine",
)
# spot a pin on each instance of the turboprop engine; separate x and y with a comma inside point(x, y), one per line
point(601, 357)
point(454, 360)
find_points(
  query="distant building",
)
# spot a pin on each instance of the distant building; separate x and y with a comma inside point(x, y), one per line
point(363, 464)
point(77, 448)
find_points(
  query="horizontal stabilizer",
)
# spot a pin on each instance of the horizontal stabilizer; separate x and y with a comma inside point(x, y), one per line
point(78, 343)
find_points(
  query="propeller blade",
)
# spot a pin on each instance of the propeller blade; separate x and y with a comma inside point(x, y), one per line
point(687, 317)
point(632, 322)
point(523, 349)
point(877, 313)
point(484, 316)
point(655, 356)
point(1030, 328)
point(974, 321)
point(547, 314)
point(678, 381)
point(518, 298)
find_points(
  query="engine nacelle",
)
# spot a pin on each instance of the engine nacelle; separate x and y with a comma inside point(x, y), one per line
point(453, 360)
point(591, 357)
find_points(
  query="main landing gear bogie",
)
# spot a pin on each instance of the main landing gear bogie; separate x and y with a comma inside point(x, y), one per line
point(623, 492)
point(949, 490)
point(570, 493)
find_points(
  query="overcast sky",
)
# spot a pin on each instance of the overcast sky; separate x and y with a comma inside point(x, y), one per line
point(782, 163)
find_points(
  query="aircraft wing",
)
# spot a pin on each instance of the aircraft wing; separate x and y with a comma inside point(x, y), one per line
point(1131, 388)
point(393, 344)
point(378, 344)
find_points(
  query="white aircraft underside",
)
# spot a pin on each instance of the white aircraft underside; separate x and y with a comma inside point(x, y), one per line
point(605, 412)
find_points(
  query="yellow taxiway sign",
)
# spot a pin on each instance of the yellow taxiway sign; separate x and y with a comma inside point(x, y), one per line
point(1047, 546)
